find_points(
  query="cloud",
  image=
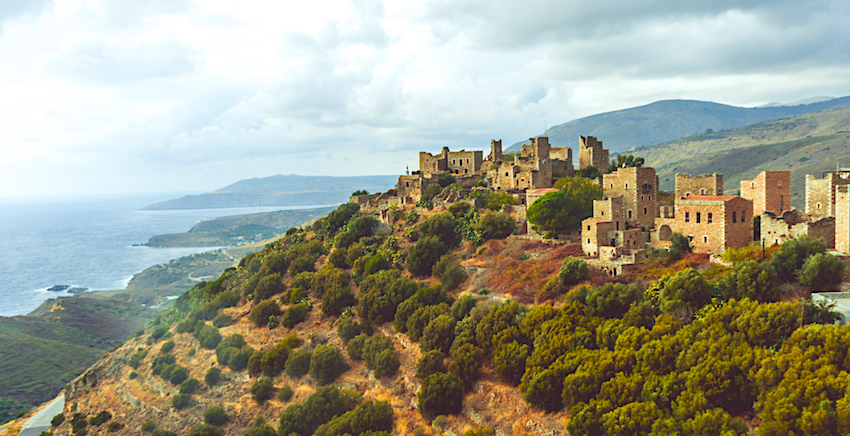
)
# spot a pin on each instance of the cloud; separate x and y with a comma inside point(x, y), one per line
point(10, 9)
point(122, 60)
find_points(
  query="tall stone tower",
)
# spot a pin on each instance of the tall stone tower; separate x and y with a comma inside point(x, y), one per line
point(590, 152)
point(495, 150)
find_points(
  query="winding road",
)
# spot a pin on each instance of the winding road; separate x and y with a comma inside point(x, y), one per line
point(41, 421)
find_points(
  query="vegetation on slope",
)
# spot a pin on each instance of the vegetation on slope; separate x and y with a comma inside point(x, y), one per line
point(675, 350)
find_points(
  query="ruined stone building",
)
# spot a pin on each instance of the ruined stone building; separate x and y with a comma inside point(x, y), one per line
point(776, 229)
point(457, 162)
point(532, 169)
point(820, 193)
point(770, 191)
point(590, 152)
point(639, 188)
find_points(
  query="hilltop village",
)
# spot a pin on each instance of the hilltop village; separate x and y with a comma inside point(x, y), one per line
point(631, 218)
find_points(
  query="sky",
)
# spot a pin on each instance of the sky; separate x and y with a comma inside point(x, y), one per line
point(126, 96)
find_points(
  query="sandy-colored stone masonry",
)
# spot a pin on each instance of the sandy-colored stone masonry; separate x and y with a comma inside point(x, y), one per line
point(495, 151)
point(712, 223)
point(793, 223)
point(820, 193)
point(770, 191)
point(611, 209)
point(458, 162)
point(594, 235)
point(639, 188)
point(703, 184)
point(590, 152)
point(842, 219)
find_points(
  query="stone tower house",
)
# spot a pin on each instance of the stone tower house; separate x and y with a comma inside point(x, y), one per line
point(770, 191)
point(704, 184)
point(590, 152)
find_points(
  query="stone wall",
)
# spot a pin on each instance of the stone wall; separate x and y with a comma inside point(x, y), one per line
point(704, 184)
point(712, 223)
point(820, 193)
point(793, 223)
point(592, 153)
point(770, 191)
point(430, 164)
point(464, 162)
point(842, 219)
point(594, 235)
point(639, 188)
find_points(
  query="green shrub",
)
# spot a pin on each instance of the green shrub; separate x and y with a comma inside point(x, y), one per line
point(285, 393)
point(181, 401)
point(274, 361)
point(377, 263)
point(573, 270)
point(441, 394)
point(496, 225)
point(100, 418)
point(161, 432)
point(431, 362)
point(326, 364)
point(215, 415)
point(424, 254)
point(208, 336)
point(298, 363)
point(328, 401)
point(302, 264)
point(348, 328)
point(57, 420)
point(466, 364)
point(213, 376)
point(167, 347)
point(355, 346)
point(262, 389)
point(137, 358)
point(205, 430)
point(297, 294)
point(221, 320)
point(148, 426)
point(336, 299)
point(294, 315)
point(133, 375)
point(450, 273)
point(261, 313)
point(114, 426)
point(178, 375)
point(190, 386)
point(821, 272)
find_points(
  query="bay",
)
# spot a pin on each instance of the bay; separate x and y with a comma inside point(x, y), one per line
point(87, 241)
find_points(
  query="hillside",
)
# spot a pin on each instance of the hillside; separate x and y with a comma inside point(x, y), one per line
point(668, 120)
point(805, 144)
point(236, 230)
point(360, 320)
point(42, 351)
point(281, 190)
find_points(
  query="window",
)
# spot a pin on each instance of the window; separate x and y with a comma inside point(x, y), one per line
point(641, 198)
point(627, 186)
point(702, 192)
point(705, 239)
point(752, 184)
point(687, 217)
point(588, 241)
point(506, 174)
point(743, 215)
point(630, 214)
point(650, 198)
point(734, 217)
point(644, 211)
point(818, 205)
point(699, 217)
point(406, 184)
point(612, 187)
point(710, 216)
point(588, 229)
point(603, 213)
point(618, 225)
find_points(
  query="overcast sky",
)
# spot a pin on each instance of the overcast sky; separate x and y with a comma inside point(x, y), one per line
point(111, 96)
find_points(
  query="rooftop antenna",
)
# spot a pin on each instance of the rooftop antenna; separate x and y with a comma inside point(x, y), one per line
point(407, 170)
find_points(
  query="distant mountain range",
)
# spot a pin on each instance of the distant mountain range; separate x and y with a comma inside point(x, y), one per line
point(668, 120)
point(805, 144)
point(281, 190)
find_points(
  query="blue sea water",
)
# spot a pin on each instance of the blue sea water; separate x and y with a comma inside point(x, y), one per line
point(86, 242)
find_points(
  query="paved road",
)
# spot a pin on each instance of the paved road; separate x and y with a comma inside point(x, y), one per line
point(41, 421)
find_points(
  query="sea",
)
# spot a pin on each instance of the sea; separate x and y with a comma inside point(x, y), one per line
point(87, 242)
